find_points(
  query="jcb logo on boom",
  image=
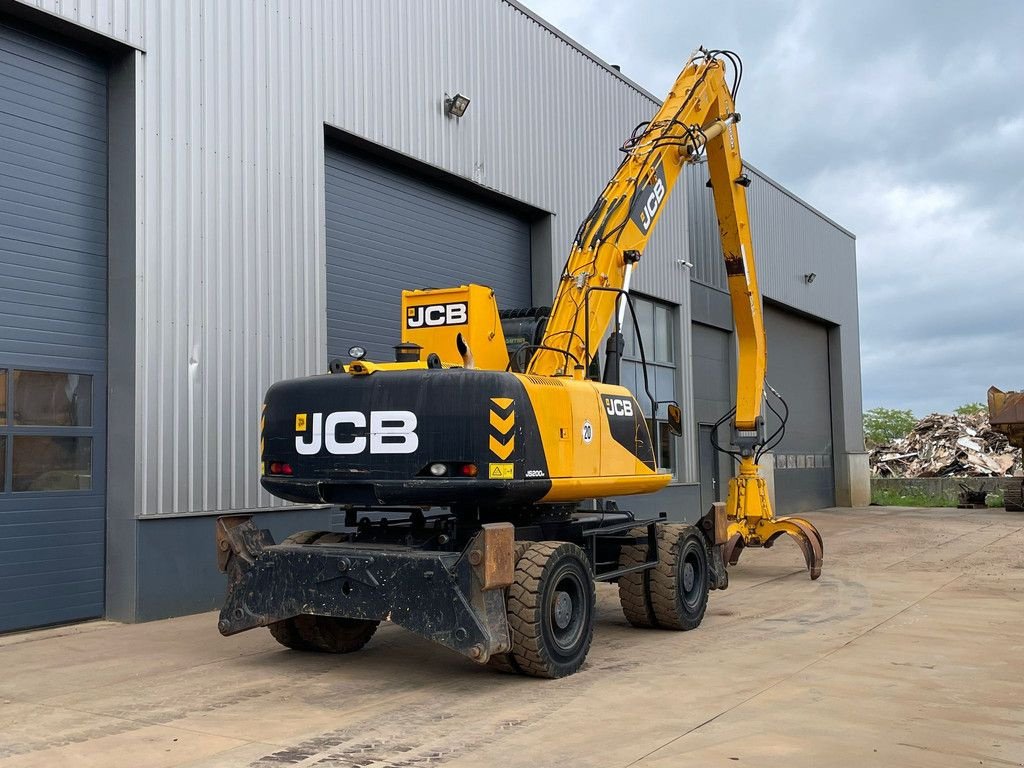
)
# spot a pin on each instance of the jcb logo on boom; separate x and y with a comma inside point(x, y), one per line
point(649, 200)
point(618, 406)
point(389, 432)
point(653, 203)
point(432, 315)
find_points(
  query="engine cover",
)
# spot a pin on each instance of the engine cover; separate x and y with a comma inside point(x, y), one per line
point(371, 439)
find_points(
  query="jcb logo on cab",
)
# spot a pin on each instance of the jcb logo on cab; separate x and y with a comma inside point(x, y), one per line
point(618, 406)
point(432, 315)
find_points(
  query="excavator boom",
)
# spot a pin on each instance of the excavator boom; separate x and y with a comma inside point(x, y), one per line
point(698, 117)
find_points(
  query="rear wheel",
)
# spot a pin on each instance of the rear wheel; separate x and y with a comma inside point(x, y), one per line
point(287, 634)
point(551, 610)
point(327, 634)
point(331, 634)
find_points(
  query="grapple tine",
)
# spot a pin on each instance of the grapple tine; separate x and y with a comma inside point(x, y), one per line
point(734, 548)
point(814, 549)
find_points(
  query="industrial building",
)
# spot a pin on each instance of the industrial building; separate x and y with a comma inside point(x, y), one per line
point(200, 199)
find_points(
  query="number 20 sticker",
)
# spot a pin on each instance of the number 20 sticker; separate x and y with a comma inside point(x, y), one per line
point(588, 432)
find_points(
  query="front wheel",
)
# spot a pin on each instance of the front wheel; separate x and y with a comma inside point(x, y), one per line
point(551, 610)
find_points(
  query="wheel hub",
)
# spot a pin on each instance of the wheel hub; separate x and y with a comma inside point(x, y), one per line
point(563, 609)
point(688, 576)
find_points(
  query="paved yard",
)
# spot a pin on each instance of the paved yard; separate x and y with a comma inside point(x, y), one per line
point(909, 651)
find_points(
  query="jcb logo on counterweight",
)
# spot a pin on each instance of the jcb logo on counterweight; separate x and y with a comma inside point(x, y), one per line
point(433, 315)
point(344, 433)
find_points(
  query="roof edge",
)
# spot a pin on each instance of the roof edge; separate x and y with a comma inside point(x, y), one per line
point(792, 196)
point(582, 49)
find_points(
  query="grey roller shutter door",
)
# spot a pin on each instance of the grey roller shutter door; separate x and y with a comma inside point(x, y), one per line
point(53, 330)
point(798, 367)
point(388, 230)
point(712, 351)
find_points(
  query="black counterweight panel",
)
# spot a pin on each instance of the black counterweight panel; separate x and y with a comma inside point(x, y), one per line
point(435, 416)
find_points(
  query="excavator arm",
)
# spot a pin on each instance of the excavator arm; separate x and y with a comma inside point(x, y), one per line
point(698, 117)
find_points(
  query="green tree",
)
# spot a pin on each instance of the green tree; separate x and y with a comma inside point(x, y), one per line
point(883, 425)
point(971, 409)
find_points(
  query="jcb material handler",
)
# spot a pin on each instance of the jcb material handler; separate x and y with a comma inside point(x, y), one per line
point(471, 471)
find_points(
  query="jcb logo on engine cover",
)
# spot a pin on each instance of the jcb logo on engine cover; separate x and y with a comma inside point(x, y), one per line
point(618, 406)
point(432, 315)
point(344, 433)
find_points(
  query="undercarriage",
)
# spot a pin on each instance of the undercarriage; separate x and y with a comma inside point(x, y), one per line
point(519, 596)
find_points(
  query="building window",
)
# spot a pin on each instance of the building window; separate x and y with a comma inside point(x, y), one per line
point(44, 463)
point(45, 431)
point(656, 328)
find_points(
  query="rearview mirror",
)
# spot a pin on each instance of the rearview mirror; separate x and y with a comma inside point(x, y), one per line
point(675, 419)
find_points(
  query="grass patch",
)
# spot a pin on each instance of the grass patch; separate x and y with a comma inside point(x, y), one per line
point(889, 498)
point(884, 497)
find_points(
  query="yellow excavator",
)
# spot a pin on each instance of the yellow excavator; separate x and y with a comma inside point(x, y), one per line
point(473, 471)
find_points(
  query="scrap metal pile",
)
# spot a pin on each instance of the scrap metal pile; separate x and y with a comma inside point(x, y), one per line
point(943, 446)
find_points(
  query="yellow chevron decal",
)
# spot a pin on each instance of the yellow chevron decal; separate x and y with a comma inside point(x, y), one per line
point(503, 425)
point(502, 402)
point(502, 450)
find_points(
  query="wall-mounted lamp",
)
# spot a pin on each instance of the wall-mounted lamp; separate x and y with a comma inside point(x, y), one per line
point(455, 106)
point(809, 277)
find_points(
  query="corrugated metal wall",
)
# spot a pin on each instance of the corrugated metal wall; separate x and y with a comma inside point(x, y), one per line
point(791, 240)
point(122, 20)
point(233, 98)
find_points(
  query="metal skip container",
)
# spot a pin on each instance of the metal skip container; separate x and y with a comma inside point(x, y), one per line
point(1006, 415)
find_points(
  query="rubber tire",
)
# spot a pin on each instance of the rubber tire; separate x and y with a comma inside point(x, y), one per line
point(331, 634)
point(287, 634)
point(672, 607)
point(530, 600)
point(327, 634)
point(634, 595)
point(503, 662)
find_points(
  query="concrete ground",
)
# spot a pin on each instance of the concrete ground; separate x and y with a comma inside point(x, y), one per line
point(909, 651)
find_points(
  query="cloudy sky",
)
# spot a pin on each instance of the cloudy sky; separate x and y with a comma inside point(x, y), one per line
point(903, 121)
